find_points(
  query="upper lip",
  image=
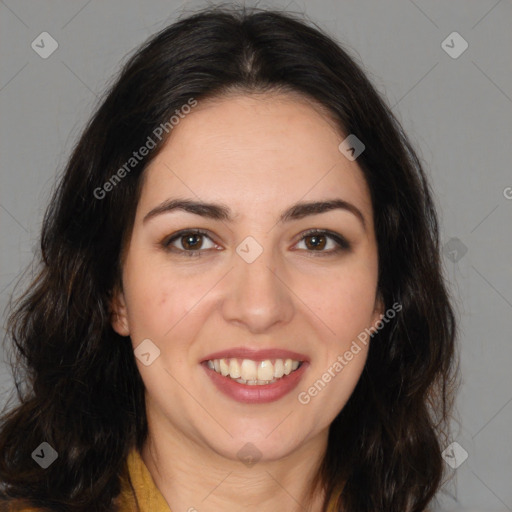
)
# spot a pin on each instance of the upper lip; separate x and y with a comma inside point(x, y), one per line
point(256, 354)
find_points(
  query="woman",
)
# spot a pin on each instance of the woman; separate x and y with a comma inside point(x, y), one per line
point(240, 303)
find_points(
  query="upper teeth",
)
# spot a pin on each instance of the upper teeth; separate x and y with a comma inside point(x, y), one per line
point(250, 370)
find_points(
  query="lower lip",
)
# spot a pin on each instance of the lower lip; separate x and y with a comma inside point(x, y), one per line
point(257, 394)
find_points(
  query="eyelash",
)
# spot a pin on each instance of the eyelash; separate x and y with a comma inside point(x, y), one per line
point(342, 244)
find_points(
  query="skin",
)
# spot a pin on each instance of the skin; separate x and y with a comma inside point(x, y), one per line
point(257, 154)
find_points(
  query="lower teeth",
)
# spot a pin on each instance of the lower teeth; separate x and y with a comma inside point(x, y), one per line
point(254, 382)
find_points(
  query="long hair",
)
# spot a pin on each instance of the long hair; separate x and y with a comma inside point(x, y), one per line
point(77, 382)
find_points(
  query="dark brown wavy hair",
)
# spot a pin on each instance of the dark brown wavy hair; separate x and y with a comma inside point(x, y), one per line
point(77, 383)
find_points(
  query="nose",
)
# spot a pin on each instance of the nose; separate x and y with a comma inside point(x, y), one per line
point(258, 296)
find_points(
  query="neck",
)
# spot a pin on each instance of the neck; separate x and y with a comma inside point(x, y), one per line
point(192, 476)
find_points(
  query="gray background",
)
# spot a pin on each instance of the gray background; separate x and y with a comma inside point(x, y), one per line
point(457, 112)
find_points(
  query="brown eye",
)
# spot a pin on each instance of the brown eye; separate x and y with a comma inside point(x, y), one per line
point(188, 243)
point(317, 242)
point(191, 241)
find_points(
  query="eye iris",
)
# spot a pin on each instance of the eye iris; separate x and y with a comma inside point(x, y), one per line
point(315, 241)
point(188, 241)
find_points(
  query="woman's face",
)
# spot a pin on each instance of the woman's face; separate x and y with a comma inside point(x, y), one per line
point(258, 290)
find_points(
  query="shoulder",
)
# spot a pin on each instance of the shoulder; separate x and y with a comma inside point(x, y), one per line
point(19, 506)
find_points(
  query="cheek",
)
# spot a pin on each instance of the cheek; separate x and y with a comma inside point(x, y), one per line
point(344, 301)
point(156, 309)
point(165, 306)
point(155, 299)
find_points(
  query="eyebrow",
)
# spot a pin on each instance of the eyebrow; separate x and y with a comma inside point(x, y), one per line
point(219, 211)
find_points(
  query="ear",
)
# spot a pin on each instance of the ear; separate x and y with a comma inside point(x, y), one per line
point(118, 312)
point(378, 311)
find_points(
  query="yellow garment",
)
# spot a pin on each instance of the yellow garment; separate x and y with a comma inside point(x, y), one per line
point(139, 489)
point(147, 495)
point(144, 492)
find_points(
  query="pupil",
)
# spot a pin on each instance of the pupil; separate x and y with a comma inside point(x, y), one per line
point(190, 238)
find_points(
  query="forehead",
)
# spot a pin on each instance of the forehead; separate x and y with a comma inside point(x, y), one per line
point(255, 151)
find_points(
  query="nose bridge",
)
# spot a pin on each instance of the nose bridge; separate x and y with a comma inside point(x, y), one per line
point(257, 296)
point(257, 269)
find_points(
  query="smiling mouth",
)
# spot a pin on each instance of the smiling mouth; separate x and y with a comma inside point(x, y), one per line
point(254, 373)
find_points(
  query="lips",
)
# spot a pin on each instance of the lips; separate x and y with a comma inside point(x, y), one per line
point(257, 391)
point(256, 394)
